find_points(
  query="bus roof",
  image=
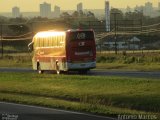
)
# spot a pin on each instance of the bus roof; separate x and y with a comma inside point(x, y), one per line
point(49, 34)
point(75, 30)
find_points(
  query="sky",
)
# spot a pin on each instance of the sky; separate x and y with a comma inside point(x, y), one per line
point(33, 5)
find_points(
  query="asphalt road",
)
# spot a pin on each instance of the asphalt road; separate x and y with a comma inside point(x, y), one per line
point(139, 74)
point(12, 111)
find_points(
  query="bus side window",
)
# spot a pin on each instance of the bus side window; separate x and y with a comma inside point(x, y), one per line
point(63, 38)
point(53, 40)
point(59, 41)
point(47, 44)
point(57, 38)
point(45, 41)
point(41, 42)
point(35, 42)
point(38, 42)
point(56, 41)
point(49, 41)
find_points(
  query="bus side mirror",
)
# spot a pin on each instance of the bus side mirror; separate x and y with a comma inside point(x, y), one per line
point(30, 47)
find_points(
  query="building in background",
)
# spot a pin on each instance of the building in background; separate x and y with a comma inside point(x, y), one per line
point(15, 12)
point(45, 10)
point(79, 7)
point(57, 11)
point(139, 8)
point(107, 15)
point(123, 43)
point(148, 9)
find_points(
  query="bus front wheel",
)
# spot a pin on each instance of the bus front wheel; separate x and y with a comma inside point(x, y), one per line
point(40, 71)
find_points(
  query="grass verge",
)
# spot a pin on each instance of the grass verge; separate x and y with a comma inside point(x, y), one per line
point(129, 67)
point(16, 61)
point(108, 61)
point(94, 94)
point(135, 62)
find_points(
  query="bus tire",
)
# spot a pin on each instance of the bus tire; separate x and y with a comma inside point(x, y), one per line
point(39, 69)
point(57, 68)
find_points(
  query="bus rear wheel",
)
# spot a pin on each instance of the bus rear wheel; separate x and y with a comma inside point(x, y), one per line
point(39, 69)
point(58, 68)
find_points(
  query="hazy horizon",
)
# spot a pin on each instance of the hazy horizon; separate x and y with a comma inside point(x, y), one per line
point(33, 5)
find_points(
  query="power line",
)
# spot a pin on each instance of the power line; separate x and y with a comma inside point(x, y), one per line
point(29, 33)
point(103, 35)
point(17, 39)
point(140, 26)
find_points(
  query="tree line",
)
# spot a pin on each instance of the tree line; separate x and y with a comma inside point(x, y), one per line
point(76, 20)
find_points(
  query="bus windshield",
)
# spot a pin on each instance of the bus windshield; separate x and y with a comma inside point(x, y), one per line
point(81, 35)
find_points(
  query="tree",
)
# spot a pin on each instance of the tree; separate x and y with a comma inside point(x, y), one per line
point(75, 14)
point(116, 17)
point(90, 14)
point(128, 9)
point(119, 15)
point(19, 29)
point(65, 15)
point(3, 19)
point(18, 20)
point(82, 14)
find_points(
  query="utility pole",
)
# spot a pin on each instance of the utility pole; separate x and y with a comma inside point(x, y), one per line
point(141, 29)
point(115, 27)
point(1, 41)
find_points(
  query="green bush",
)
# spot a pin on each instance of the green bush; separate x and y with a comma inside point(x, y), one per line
point(156, 59)
point(129, 60)
point(140, 60)
point(110, 59)
point(101, 59)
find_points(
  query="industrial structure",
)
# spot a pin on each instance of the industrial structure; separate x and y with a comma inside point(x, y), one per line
point(107, 15)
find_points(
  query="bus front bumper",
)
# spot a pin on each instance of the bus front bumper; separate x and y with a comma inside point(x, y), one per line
point(77, 66)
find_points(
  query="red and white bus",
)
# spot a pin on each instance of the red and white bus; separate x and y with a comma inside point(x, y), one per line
point(64, 51)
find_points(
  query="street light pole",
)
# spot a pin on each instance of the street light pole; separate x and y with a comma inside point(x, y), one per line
point(141, 28)
point(115, 27)
point(1, 41)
